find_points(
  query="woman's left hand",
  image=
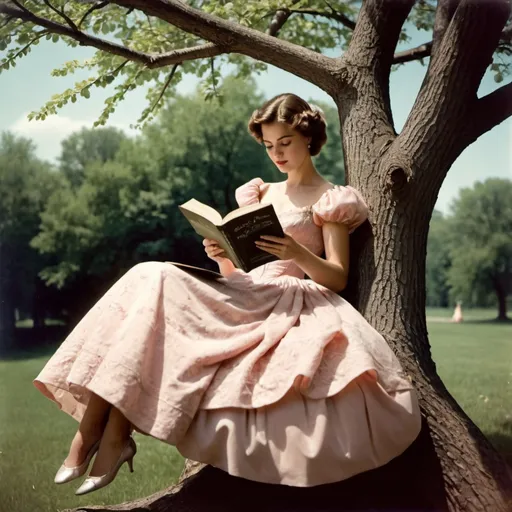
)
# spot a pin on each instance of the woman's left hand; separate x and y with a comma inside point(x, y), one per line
point(284, 248)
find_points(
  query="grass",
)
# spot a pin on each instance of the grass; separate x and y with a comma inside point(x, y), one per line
point(473, 358)
point(34, 438)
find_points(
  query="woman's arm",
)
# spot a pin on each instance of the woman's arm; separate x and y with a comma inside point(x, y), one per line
point(331, 272)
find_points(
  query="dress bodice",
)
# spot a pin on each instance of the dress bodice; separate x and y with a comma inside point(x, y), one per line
point(304, 224)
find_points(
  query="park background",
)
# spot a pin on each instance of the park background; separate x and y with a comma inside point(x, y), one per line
point(81, 205)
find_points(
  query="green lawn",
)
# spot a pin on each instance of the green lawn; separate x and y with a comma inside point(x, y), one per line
point(34, 438)
point(473, 358)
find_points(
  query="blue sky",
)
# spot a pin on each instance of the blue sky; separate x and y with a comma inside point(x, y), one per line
point(28, 86)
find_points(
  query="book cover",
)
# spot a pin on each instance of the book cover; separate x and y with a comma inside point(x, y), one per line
point(237, 231)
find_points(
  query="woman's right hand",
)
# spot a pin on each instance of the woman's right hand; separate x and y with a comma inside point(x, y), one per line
point(216, 253)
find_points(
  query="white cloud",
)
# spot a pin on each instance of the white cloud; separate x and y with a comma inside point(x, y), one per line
point(47, 135)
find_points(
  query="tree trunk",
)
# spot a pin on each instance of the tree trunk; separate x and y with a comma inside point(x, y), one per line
point(501, 294)
point(38, 308)
point(7, 319)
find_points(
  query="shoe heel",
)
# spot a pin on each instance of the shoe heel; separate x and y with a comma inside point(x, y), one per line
point(130, 464)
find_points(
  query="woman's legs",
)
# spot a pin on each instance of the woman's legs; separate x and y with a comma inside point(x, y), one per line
point(89, 431)
point(115, 437)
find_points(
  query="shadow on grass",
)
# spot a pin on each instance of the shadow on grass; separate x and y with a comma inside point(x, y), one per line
point(34, 342)
point(488, 321)
point(502, 441)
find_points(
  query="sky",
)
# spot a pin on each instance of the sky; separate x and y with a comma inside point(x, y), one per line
point(29, 85)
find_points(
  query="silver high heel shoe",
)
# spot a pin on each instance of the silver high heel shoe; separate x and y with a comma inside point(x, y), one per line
point(65, 474)
point(93, 483)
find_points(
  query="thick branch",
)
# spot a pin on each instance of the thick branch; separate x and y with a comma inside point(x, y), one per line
point(442, 111)
point(312, 66)
point(377, 32)
point(493, 109)
point(444, 14)
point(371, 52)
point(149, 60)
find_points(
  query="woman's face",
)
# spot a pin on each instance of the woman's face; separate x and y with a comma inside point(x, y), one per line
point(286, 147)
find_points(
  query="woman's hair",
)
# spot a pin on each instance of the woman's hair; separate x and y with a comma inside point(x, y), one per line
point(290, 109)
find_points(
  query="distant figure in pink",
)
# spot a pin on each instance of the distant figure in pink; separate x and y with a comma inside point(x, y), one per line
point(457, 314)
point(267, 375)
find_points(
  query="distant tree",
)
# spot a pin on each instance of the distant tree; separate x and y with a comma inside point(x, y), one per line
point(330, 161)
point(88, 146)
point(125, 209)
point(25, 185)
point(438, 261)
point(481, 243)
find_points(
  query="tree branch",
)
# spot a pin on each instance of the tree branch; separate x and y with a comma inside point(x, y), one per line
point(150, 60)
point(333, 15)
point(307, 64)
point(506, 35)
point(62, 14)
point(377, 31)
point(224, 37)
point(164, 88)
point(450, 87)
point(419, 52)
point(89, 11)
point(444, 14)
point(491, 110)
point(372, 49)
point(280, 18)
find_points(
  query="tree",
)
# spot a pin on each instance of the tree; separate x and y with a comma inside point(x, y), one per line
point(25, 185)
point(87, 146)
point(438, 261)
point(481, 243)
point(124, 210)
point(451, 466)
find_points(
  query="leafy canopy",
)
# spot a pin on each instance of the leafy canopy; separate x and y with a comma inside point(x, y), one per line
point(318, 25)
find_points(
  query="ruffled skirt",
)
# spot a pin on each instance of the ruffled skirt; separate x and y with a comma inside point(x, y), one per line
point(279, 381)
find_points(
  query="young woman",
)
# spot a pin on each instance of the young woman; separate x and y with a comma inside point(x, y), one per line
point(267, 375)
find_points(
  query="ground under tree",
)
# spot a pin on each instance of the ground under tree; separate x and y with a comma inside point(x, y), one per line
point(451, 466)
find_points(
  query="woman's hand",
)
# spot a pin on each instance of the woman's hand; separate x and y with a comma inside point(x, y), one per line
point(284, 248)
point(216, 253)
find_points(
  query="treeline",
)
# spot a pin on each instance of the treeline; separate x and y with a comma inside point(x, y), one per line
point(69, 230)
point(469, 252)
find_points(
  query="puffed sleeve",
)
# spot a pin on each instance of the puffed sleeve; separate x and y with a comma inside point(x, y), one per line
point(248, 193)
point(341, 204)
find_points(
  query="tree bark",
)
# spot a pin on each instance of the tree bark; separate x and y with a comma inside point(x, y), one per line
point(7, 320)
point(501, 295)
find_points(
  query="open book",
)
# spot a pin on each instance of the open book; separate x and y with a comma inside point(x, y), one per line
point(237, 231)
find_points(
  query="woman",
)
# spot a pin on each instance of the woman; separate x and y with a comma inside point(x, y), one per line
point(267, 375)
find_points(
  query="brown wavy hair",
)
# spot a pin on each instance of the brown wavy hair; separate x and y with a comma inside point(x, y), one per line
point(293, 110)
